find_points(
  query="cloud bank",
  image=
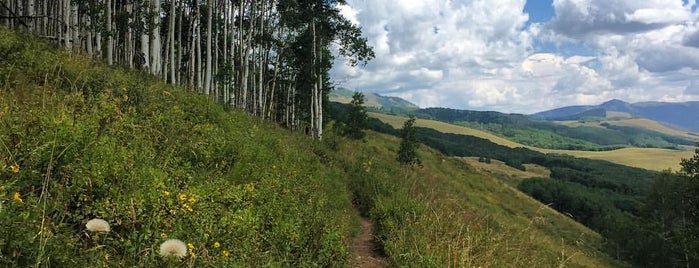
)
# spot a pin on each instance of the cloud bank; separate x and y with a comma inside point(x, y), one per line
point(488, 55)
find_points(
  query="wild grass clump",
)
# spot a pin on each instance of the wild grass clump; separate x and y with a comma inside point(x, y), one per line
point(80, 141)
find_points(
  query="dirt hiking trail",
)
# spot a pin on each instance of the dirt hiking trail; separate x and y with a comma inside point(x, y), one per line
point(363, 251)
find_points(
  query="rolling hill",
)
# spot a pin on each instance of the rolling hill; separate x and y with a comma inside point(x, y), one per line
point(375, 101)
point(674, 115)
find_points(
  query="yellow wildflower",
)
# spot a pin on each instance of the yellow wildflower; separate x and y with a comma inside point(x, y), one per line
point(249, 187)
point(225, 253)
point(125, 97)
point(192, 200)
point(191, 250)
point(166, 193)
point(163, 235)
point(15, 168)
point(182, 197)
point(173, 212)
point(106, 256)
point(187, 208)
point(217, 245)
point(17, 198)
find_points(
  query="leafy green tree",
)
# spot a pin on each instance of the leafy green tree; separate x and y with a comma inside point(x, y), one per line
point(357, 117)
point(672, 219)
point(407, 154)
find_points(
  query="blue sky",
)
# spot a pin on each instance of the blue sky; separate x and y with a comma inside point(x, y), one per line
point(526, 56)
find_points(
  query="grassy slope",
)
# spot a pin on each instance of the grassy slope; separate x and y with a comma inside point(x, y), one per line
point(445, 214)
point(158, 163)
point(499, 168)
point(648, 158)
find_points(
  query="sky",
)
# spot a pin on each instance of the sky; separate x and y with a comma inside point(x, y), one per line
point(526, 56)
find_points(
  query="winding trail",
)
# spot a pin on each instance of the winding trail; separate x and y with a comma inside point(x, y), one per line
point(363, 252)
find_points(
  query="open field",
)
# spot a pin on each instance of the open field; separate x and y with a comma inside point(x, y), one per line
point(648, 158)
point(497, 167)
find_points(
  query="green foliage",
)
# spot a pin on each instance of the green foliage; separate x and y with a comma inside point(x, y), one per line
point(357, 117)
point(407, 154)
point(86, 141)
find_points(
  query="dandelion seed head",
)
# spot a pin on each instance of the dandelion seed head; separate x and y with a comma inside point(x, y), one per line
point(98, 225)
point(173, 248)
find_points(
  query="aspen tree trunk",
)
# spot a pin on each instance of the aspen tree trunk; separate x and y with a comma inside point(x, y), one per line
point(192, 60)
point(145, 38)
point(155, 47)
point(319, 93)
point(45, 19)
point(110, 35)
point(199, 68)
point(66, 25)
point(314, 104)
point(180, 49)
point(171, 38)
point(88, 24)
point(129, 42)
point(207, 84)
point(225, 51)
point(75, 27)
point(31, 13)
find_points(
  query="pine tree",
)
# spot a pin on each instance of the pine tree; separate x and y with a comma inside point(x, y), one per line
point(357, 118)
point(407, 154)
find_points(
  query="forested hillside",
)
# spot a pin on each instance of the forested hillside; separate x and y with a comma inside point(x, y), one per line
point(270, 58)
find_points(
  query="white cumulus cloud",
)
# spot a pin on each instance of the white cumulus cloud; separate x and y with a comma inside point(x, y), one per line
point(478, 54)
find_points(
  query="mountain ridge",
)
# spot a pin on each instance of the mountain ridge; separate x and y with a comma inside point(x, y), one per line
point(672, 114)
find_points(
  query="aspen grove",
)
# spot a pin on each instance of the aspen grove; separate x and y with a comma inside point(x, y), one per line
point(268, 57)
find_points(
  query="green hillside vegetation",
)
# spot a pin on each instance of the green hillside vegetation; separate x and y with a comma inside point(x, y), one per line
point(498, 168)
point(657, 159)
point(549, 135)
point(630, 207)
point(81, 141)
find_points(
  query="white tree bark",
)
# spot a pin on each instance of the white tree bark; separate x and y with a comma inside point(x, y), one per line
point(171, 35)
point(155, 60)
point(110, 34)
point(207, 84)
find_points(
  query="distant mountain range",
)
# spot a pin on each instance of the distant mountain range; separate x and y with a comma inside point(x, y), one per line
point(683, 115)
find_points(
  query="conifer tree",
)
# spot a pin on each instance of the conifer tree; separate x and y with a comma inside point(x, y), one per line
point(357, 117)
point(407, 154)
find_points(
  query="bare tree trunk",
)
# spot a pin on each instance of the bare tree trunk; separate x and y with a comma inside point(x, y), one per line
point(75, 27)
point(171, 35)
point(130, 44)
point(88, 44)
point(110, 34)
point(144, 58)
point(207, 82)
point(200, 83)
point(155, 48)
point(68, 34)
